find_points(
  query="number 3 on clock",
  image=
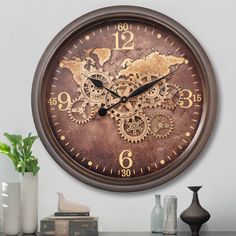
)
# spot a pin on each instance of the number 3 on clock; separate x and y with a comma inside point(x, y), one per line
point(188, 98)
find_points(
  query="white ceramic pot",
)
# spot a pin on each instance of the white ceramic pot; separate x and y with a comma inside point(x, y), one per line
point(11, 208)
point(29, 203)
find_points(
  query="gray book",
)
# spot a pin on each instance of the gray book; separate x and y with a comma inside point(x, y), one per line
point(69, 227)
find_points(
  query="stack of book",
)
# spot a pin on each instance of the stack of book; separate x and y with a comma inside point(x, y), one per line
point(69, 224)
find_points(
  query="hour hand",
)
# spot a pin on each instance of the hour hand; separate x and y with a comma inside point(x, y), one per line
point(99, 84)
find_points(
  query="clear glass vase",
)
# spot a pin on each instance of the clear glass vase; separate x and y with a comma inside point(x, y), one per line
point(157, 216)
point(170, 215)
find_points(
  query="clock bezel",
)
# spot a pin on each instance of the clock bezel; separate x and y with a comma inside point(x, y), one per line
point(110, 183)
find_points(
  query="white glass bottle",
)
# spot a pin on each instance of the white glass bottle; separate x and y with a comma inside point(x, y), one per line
point(157, 216)
point(170, 215)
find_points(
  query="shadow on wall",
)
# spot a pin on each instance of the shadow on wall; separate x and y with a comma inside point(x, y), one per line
point(7, 174)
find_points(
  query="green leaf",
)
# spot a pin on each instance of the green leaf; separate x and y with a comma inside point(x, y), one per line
point(14, 139)
point(4, 148)
point(16, 155)
point(35, 170)
point(28, 142)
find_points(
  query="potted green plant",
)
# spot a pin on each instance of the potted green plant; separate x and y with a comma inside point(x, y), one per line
point(20, 153)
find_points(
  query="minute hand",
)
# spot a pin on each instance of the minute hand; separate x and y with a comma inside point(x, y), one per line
point(147, 86)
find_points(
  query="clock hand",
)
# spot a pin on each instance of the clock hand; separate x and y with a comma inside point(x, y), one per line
point(99, 84)
point(147, 86)
point(103, 111)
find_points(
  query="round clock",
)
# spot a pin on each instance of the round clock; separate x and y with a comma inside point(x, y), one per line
point(124, 98)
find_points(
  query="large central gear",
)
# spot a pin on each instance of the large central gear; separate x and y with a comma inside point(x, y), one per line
point(161, 125)
point(124, 110)
point(96, 96)
point(135, 128)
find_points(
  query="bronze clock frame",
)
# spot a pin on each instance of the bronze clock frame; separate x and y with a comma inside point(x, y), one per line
point(109, 183)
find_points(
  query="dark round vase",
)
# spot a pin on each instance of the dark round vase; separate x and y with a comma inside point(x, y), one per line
point(195, 215)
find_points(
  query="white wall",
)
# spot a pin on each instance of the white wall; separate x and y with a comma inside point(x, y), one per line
point(26, 27)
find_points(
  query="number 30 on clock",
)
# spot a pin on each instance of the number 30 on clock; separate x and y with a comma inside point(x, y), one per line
point(125, 160)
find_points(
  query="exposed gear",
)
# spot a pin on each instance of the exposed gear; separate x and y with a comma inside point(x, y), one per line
point(135, 128)
point(89, 91)
point(173, 97)
point(133, 78)
point(80, 111)
point(161, 125)
point(154, 96)
point(129, 108)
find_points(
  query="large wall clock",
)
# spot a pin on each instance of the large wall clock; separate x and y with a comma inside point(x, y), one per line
point(124, 98)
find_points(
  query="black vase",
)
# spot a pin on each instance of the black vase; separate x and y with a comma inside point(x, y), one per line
point(195, 215)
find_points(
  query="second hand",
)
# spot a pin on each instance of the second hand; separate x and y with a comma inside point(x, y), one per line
point(103, 111)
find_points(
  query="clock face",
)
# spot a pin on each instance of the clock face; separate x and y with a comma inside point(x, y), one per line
point(123, 102)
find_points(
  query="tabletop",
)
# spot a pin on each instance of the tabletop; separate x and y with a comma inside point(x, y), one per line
point(218, 233)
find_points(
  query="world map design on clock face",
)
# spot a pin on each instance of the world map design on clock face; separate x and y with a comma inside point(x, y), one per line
point(124, 98)
point(159, 123)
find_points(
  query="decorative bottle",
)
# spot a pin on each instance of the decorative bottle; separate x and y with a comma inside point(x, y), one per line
point(170, 215)
point(195, 215)
point(157, 216)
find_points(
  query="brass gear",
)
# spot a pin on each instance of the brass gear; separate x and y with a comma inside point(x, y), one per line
point(123, 110)
point(96, 96)
point(80, 111)
point(135, 128)
point(156, 95)
point(161, 125)
point(173, 97)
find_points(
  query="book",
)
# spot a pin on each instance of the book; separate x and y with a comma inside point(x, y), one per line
point(53, 217)
point(69, 227)
point(71, 213)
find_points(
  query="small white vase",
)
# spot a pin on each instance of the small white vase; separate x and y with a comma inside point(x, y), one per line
point(11, 208)
point(157, 216)
point(29, 203)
